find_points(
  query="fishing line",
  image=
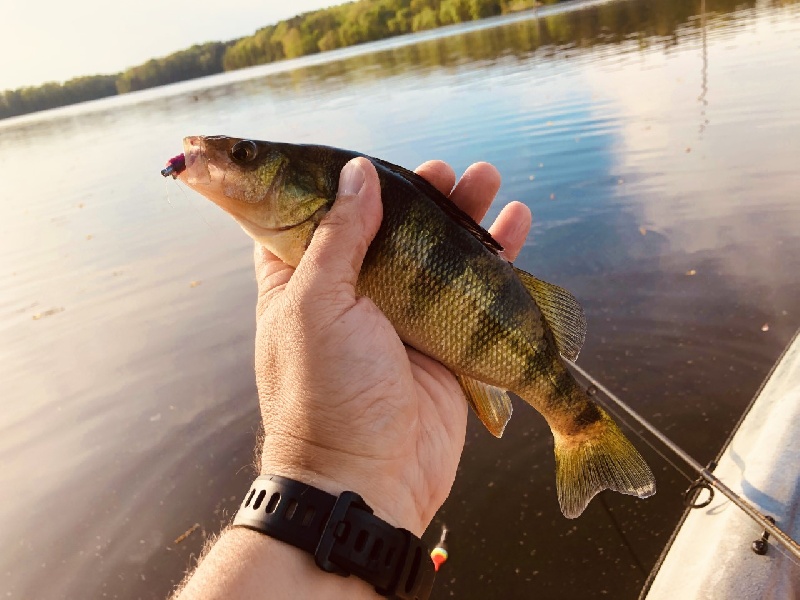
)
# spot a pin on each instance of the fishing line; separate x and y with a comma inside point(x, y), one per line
point(778, 534)
point(192, 204)
point(175, 166)
point(166, 190)
point(621, 533)
point(617, 415)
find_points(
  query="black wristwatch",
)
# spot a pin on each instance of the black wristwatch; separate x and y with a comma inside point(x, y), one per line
point(342, 534)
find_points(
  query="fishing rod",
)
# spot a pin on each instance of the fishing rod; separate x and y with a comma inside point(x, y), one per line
point(769, 526)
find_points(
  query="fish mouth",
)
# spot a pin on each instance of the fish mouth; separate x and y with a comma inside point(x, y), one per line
point(197, 170)
point(208, 178)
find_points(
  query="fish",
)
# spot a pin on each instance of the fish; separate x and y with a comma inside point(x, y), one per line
point(442, 282)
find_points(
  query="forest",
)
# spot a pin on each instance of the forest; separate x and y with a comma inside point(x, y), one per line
point(309, 33)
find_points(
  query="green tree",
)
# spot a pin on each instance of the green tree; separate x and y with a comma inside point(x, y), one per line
point(256, 49)
point(454, 11)
point(401, 22)
point(292, 43)
point(52, 95)
point(329, 41)
point(480, 9)
point(366, 20)
point(426, 19)
point(198, 61)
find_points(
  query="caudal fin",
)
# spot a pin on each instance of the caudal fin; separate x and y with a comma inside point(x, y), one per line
point(599, 458)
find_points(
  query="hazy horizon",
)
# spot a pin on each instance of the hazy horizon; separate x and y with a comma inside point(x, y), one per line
point(53, 41)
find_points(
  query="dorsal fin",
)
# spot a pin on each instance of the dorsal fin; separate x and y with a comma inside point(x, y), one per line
point(443, 202)
point(561, 311)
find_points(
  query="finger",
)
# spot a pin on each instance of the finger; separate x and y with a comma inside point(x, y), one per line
point(333, 259)
point(272, 274)
point(439, 174)
point(476, 189)
point(511, 227)
point(267, 265)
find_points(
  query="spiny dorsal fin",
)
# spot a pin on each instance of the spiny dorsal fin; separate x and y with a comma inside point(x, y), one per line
point(561, 311)
point(491, 404)
point(443, 202)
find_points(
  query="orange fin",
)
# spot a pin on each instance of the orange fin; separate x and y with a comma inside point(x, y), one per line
point(491, 404)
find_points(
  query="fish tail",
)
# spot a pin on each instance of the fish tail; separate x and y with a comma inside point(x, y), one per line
point(594, 457)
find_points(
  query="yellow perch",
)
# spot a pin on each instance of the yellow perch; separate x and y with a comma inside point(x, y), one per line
point(438, 277)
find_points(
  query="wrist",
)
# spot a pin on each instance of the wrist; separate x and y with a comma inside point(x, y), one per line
point(341, 532)
point(382, 488)
point(241, 561)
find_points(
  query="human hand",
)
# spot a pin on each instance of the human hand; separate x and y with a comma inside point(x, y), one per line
point(345, 404)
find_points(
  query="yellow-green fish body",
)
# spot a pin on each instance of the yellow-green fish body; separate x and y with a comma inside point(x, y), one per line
point(439, 279)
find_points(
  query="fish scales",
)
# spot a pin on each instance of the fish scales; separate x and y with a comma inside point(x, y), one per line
point(448, 296)
point(438, 278)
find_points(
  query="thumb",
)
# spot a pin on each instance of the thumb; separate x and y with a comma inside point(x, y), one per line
point(333, 259)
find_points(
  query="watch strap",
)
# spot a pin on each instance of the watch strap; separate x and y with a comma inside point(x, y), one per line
point(342, 533)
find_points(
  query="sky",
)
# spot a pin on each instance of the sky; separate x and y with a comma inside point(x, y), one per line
point(54, 40)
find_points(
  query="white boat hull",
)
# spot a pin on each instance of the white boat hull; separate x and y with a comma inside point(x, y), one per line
point(711, 556)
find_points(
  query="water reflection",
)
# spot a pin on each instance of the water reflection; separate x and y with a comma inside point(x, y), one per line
point(654, 145)
point(565, 35)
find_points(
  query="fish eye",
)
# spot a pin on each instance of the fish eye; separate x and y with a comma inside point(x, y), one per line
point(244, 151)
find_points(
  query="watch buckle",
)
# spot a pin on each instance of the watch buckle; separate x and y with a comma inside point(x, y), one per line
point(330, 531)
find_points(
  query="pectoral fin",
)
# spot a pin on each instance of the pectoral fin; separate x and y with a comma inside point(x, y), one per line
point(491, 404)
point(561, 311)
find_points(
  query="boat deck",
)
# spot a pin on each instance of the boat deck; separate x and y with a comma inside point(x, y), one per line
point(710, 556)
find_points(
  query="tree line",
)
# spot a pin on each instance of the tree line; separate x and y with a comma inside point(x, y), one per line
point(309, 33)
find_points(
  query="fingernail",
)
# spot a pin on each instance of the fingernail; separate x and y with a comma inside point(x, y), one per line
point(352, 179)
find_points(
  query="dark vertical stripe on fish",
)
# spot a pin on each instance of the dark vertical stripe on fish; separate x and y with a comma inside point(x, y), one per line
point(432, 279)
point(493, 328)
point(546, 368)
point(590, 414)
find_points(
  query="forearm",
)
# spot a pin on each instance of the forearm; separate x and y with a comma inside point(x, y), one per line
point(248, 565)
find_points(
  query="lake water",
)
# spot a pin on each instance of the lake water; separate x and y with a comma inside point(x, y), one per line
point(657, 143)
